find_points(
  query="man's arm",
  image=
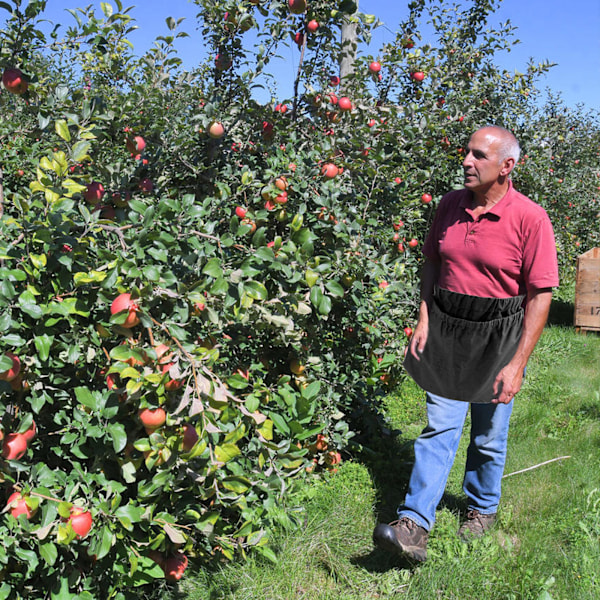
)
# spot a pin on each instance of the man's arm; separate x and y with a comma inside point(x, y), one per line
point(429, 277)
point(510, 378)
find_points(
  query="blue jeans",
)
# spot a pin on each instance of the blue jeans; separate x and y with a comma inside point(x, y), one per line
point(436, 448)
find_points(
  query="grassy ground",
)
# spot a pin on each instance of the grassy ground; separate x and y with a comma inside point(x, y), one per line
point(546, 545)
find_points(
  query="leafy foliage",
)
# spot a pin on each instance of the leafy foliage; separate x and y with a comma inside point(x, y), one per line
point(269, 297)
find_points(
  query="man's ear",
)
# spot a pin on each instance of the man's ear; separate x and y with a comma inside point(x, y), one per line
point(508, 164)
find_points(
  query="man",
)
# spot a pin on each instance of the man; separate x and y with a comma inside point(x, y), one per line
point(486, 289)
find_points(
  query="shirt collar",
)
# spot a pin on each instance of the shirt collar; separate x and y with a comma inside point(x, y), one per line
point(497, 209)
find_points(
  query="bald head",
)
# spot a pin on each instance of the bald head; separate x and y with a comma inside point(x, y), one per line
point(508, 145)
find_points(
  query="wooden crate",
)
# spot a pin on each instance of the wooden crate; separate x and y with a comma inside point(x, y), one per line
point(587, 291)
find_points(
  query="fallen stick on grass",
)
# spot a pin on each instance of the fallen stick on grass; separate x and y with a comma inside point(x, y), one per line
point(535, 466)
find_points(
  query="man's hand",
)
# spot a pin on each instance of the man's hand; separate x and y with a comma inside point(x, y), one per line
point(507, 384)
point(509, 380)
point(429, 277)
point(419, 339)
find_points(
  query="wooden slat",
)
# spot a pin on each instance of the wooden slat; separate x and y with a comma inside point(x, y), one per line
point(587, 291)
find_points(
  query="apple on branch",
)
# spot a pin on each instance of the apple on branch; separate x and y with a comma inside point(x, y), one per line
point(14, 81)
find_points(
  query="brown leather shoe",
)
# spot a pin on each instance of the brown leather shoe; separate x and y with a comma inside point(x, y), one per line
point(403, 537)
point(476, 525)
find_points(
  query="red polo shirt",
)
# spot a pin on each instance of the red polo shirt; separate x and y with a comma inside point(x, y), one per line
point(505, 252)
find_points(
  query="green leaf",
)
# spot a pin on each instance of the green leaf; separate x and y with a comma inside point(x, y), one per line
point(280, 423)
point(29, 306)
point(107, 9)
point(49, 553)
point(213, 268)
point(46, 164)
point(256, 290)
point(80, 151)
point(252, 403)
point(267, 553)
point(324, 307)
point(91, 277)
point(61, 591)
point(62, 130)
point(129, 513)
point(226, 452)
point(266, 429)
point(84, 396)
point(118, 435)
point(42, 345)
point(239, 485)
point(335, 289)
point(311, 391)
point(38, 260)
point(5, 589)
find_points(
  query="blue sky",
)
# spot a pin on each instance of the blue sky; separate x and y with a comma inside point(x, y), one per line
point(566, 33)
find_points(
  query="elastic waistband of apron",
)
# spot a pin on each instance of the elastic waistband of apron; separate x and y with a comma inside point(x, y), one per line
point(476, 308)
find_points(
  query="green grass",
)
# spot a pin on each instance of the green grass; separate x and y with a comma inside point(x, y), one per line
point(546, 545)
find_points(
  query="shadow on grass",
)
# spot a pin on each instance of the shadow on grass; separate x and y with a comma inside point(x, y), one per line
point(389, 456)
point(561, 313)
point(380, 561)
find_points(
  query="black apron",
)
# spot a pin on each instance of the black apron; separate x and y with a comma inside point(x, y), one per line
point(470, 340)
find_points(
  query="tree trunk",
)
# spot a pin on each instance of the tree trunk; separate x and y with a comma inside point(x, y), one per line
point(349, 46)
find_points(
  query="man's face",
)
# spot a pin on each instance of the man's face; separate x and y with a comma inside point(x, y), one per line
point(482, 164)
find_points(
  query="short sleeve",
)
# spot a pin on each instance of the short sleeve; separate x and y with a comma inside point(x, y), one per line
point(540, 262)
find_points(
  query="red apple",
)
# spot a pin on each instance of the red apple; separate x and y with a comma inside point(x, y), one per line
point(14, 446)
point(14, 370)
point(345, 103)
point(426, 198)
point(334, 80)
point(418, 75)
point(299, 38)
point(136, 144)
point(408, 331)
point(281, 198)
point(124, 302)
point(14, 81)
point(216, 130)
point(81, 521)
point(375, 67)
point(297, 7)
point(146, 185)
point(172, 384)
point(18, 505)
point(413, 243)
point(329, 171)
point(163, 354)
point(223, 62)
point(407, 43)
point(312, 25)
point(267, 130)
point(190, 437)
point(240, 211)
point(94, 192)
point(333, 458)
point(29, 433)
point(152, 418)
point(175, 565)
